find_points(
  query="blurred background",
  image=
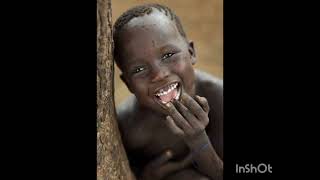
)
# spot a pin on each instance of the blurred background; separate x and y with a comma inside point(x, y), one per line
point(202, 20)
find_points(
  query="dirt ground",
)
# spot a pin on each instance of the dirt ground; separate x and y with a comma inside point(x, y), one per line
point(203, 23)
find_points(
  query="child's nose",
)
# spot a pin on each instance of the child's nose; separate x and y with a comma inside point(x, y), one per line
point(159, 73)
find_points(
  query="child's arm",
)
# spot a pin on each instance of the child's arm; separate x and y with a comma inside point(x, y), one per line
point(189, 119)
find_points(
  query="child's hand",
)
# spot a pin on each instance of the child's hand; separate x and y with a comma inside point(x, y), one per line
point(162, 167)
point(188, 119)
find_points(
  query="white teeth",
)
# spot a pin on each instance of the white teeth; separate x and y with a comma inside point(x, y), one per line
point(161, 92)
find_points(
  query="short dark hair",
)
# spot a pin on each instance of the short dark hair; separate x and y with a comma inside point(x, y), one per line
point(139, 11)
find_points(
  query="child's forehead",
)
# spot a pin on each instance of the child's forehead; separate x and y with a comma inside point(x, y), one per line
point(151, 29)
point(155, 17)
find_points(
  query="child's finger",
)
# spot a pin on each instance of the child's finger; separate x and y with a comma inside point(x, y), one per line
point(172, 125)
point(193, 106)
point(187, 161)
point(203, 103)
point(178, 118)
point(193, 121)
point(163, 158)
point(176, 165)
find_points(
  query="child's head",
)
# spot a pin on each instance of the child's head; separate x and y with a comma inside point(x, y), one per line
point(154, 55)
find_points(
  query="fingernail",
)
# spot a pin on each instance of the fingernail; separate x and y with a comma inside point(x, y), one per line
point(169, 153)
point(182, 97)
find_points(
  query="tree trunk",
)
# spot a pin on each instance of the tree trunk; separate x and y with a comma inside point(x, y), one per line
point(112, 162)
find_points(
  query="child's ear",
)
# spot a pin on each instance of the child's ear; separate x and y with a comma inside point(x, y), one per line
point(192, 52)
point(126, 82)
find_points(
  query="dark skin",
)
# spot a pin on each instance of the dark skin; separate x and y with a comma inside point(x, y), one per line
point(183, 138)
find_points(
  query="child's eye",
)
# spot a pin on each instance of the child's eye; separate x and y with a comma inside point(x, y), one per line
point(167, 56)
point(137, 70)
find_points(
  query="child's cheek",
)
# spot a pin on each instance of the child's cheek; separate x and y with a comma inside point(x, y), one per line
point(182, 64)
point(179, 63)
point(186, 72)
point(179, 66)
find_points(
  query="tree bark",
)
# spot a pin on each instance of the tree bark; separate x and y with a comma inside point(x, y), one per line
point(112, 162)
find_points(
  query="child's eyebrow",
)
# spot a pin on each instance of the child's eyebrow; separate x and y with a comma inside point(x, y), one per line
point(167, 47)
point(134, 62)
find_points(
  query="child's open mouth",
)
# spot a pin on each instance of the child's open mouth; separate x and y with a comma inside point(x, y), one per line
point(169, 93)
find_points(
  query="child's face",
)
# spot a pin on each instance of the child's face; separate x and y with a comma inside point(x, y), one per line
point(157, 61)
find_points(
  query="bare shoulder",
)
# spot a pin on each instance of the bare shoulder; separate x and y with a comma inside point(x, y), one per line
point(206, 79)
point(132, 124)
point(211, 88)
point(126, 116)
point(126, 112)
